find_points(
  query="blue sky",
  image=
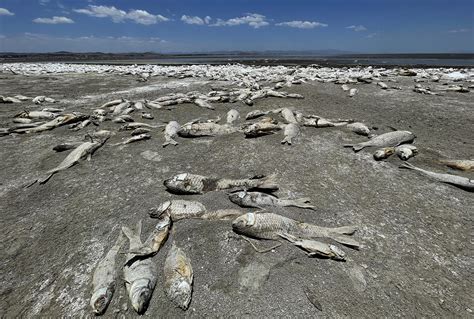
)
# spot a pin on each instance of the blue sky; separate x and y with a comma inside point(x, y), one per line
point(376, 26)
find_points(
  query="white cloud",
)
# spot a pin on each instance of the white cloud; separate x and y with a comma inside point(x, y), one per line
point(5, 12)
point(196, 20)
point(372, 35)
point(252, 19)
point(357, 28)
point(117, 15)
point(302, 24)
point(459, 31)
point(53, 20)
point(44, 2)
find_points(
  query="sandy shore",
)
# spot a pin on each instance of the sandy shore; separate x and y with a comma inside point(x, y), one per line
point(416, 259)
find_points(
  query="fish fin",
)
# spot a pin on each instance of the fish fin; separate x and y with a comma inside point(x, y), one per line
point(357, 147)
point(288, 237)
point(135, 233)
point(268, 182)
point(345, 240)
point(262, 251)
point(44, 180)
point(303, 203)
point(348, 230)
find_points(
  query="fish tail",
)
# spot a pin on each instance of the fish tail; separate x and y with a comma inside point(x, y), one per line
point(44, 180)
point(299, 202)
point(357, 147)
point(348, 230)
point(268, 182)
point(344, 239)
point(133, 235)
point(222, 214)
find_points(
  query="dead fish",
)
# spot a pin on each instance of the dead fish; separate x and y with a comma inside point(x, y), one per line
point(201, 129)
point(171, 131)
point(382, 85)
point(81, 151)
point(155, 240)
point(317, 248)
point(178, 274)
point(37, 115)
point(153, 105)
point(197, 184)
point(136, 138)
point(273, 226)
point(57, 122)
point(319, 122)
point(458, 181)
point(53, 109)
point(261, 200)
point(40, 99)
point(101, 134)
point(264, 127)
point(185, 209)
point(352, 92)
point(147, 116)
point(139, 105)
point(9, 99)
point(66, 146)
point(134, 125)
point(128, 110)
point(288, 115)
point(232, 116)
point(255, 114)
point(118, 109)
point(387, 139)
point(295, 96)
point(140, 275)
point(80, 125)
point(463, 165)
point(140, 130)
point(359, 128)
point(103, 279)
point(406, 72)
point(21, 97)
point(124, 118)
point(204, 104)
point(345, 87)
point(406, 151)
point(291, 131)
point(112, 103)
point(383, 153)
point(22, 120)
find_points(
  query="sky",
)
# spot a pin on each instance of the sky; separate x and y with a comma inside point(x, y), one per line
point(364, 26)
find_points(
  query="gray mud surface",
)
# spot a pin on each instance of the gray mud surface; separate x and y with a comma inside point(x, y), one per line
point(416, 259)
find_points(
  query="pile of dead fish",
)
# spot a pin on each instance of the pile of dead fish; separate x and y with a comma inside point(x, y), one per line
point(139, 270)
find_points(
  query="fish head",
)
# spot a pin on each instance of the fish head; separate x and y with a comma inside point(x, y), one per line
point(242, 223)
point(180, 184)
point(157, 212)
point(237, 197)
point(180, 292)
point(100, 299)
point(140, 295)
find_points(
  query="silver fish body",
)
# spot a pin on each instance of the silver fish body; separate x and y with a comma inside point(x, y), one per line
point(255, 114)
point(171, 131)
point(140, 275)
point(136, 138)
point(103, 279)
point(178, 275)
point(264, 127)
point(203, 103)
point(261, 200)
point(184, 209)
point(155, 240)
point(205, 129)
point(272, 226)
point(385, 140)
point(288, 115)
point(197, 184)
point(317, 248)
